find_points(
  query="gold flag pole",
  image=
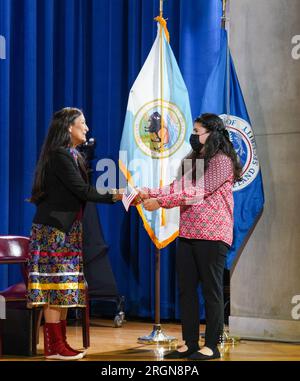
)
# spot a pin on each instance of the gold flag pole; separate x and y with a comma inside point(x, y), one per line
point(224, 6)
point(225, 26)
point(161, 5)
point(157, 336)
point(225, 338)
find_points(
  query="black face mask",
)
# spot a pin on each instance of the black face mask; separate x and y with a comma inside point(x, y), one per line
point(195, 143)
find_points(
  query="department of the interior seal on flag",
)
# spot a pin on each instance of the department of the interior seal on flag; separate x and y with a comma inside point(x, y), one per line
point(156, 139)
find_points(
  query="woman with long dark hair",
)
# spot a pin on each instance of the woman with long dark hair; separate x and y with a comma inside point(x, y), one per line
point(205, 232)
point(60, 191)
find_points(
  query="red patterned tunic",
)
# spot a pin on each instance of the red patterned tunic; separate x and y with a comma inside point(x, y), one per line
point(212, 217)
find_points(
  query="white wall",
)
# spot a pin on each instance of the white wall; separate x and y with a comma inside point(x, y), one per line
point(267, 274)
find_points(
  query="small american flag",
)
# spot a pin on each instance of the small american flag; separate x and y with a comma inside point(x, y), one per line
point(128, 198)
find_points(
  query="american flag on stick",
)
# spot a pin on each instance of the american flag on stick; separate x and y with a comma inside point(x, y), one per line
point(127, 198)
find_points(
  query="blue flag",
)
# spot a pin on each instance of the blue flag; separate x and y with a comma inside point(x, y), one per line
point(223, 96)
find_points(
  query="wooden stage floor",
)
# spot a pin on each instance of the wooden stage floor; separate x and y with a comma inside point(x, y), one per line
point(120, 344)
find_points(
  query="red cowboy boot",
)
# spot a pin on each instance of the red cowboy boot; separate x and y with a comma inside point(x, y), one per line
point(54, 347)
point(63, 324)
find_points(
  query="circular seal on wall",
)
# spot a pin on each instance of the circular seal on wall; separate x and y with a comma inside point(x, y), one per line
point(243, 140)
point(154, 137)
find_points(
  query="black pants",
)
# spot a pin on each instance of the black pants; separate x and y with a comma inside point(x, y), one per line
point(201, 261)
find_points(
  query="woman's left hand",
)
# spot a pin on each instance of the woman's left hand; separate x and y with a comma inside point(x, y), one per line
point(151, 204)
point(118, 194)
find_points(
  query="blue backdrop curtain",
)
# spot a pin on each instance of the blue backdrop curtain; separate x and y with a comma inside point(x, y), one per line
point(87, 54)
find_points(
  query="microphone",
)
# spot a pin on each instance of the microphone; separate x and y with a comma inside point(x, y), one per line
point(88, 148)
point(90, 142)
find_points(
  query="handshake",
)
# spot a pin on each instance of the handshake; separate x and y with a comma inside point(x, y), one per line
point(141, 197)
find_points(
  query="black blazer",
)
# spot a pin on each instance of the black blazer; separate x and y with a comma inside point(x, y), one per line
point(66, 192)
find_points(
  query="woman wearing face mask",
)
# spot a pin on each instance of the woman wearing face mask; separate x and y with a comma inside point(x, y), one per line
point(55, 267)
point(205, 232)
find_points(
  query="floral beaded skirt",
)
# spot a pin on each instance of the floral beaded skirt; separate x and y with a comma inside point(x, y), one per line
point(55, 267)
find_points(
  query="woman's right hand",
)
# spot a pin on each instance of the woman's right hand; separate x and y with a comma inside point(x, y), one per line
point(140, 197)
point(143, 193)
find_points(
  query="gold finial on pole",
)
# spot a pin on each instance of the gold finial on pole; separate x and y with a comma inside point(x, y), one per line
point(161, 7)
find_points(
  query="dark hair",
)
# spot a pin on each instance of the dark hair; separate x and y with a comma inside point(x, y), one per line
point(218, 140)
point(58, 136)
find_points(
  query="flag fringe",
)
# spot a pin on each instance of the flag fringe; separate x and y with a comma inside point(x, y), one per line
point(159, 244)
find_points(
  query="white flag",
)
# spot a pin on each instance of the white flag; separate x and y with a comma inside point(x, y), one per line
point(156, 134)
